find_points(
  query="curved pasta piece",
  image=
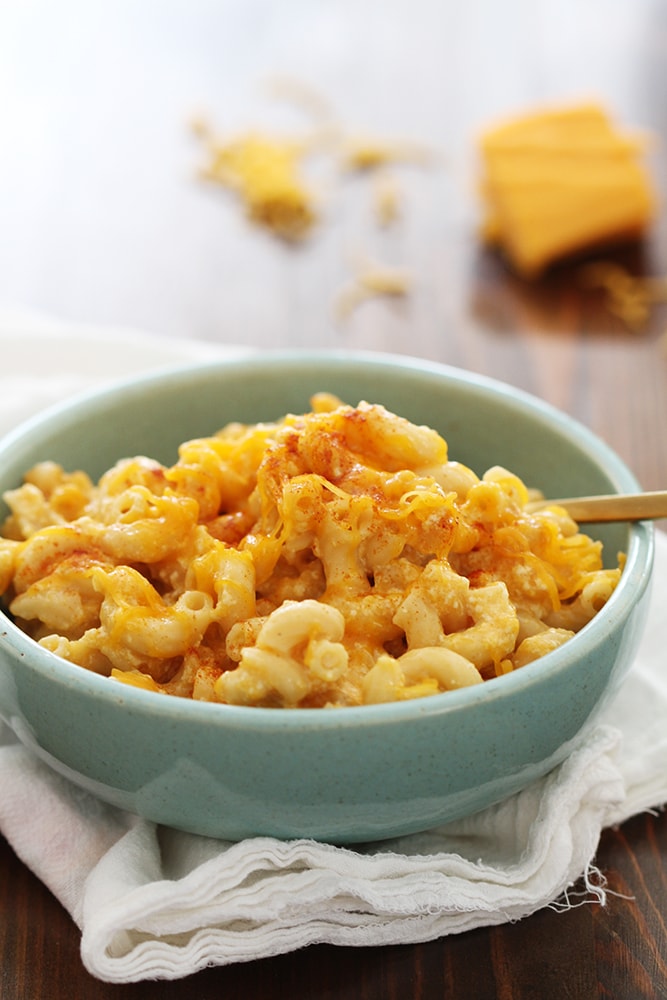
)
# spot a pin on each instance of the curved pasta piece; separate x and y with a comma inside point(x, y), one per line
point(535, 646)
point(297, 648)
point(133, 609)
point(139, 526)
point(450, 669)
point(495, 627)
point(594, 594)
point(9, 550)
point(419, 671)
point(297, 621)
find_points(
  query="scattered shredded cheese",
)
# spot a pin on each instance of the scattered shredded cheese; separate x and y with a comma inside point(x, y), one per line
point(554, 182)
point(386, 199)
point(266, 174)
point(373, 280)
point(305, 98)
point(627, 296)
point(367, 153)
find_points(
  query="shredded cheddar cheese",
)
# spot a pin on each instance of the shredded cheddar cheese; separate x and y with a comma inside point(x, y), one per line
point(266, 174)
point(367, 153)
point(386, 198)
point(627, 296)
point(267, 171)
point(373, 280)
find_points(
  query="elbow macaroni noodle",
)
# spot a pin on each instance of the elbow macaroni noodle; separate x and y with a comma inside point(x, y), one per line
point(332, 558)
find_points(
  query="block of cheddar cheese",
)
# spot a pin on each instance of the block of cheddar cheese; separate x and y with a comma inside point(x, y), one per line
point(561, 181)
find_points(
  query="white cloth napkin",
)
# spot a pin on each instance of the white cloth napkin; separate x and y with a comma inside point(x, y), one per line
point(156, 903)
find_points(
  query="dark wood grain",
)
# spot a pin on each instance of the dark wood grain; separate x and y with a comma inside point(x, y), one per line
point(103, 221)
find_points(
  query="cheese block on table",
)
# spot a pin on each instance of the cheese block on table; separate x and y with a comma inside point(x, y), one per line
point(561, 181)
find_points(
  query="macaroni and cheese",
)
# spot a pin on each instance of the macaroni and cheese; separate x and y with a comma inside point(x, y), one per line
point(333, 558)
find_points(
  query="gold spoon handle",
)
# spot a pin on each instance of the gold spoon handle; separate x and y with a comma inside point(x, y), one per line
point(615, 507)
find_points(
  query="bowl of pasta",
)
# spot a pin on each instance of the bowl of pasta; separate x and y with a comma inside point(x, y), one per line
point(307, 595)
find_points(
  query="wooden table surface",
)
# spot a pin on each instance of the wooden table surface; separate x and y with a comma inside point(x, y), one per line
point(104, 220)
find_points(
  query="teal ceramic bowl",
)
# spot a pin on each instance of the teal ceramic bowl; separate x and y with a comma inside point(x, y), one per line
point(341, 775)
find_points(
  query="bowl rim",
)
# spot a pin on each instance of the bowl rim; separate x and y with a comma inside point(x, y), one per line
point(635, 578)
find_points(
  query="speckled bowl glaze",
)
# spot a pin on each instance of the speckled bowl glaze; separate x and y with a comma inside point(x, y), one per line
point(340, 775)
